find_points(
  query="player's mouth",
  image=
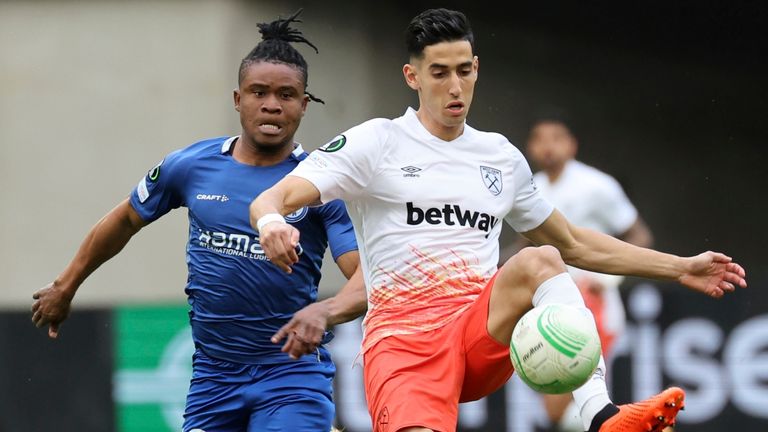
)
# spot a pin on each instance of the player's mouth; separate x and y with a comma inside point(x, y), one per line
point(270, 128)
point(455, 108)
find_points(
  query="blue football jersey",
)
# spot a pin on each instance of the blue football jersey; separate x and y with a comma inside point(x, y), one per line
point(238, 299)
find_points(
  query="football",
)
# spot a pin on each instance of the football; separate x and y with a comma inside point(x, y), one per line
point(555, 348)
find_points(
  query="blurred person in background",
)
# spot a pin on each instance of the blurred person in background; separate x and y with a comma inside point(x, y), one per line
point(241, 306)
point(591, 199)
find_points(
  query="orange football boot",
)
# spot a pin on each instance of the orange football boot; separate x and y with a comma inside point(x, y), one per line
point(651, 415)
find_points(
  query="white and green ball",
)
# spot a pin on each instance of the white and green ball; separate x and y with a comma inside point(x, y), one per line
point(555, 348)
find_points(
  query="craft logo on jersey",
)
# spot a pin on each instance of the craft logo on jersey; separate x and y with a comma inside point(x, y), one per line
point(335, 145)
point(491, 179)
point(297, 215)
point(212, 197)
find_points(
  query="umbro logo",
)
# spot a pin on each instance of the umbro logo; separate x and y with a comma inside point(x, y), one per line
point(410, 171)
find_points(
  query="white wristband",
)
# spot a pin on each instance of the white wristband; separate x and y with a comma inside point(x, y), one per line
point(268, 218)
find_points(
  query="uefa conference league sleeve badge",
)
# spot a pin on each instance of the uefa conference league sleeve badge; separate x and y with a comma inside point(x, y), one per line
point(335, 145)
point(142, 190)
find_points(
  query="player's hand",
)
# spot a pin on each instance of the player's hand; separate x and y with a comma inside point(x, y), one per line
point(713, 274)
point(279, 241)
point(304, 332)
point(51, 307)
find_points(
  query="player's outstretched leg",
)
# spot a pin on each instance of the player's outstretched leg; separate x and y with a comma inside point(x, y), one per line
point(651, 415)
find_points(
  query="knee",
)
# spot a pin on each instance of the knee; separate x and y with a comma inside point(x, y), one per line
point(533, 265)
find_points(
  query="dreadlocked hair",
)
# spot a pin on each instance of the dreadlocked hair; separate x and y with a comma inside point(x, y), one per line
point(275, 47)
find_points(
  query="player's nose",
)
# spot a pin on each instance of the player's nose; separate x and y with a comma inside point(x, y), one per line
point(454, 88)
point(271, 105)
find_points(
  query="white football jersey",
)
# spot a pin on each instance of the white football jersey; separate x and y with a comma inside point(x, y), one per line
point(589, 198)
point(427, 215)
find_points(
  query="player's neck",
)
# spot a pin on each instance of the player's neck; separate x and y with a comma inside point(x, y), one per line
point(445, 133)
point(250, 153)
point(555, 173)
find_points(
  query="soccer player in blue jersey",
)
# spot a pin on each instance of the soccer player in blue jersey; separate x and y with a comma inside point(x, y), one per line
point(259, 365)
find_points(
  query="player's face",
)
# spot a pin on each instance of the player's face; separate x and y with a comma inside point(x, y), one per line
point(445, 78)
point(271, 102)
point(550, 146)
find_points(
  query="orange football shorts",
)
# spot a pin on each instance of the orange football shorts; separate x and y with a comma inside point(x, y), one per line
point(419, 379)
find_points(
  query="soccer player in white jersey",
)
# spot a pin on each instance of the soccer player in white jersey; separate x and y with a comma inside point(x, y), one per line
point(592, 199)
point(426, 193)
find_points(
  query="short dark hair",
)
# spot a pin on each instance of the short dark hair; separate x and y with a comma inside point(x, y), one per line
point(552, 120)
point(275, 47)
point(434, 26)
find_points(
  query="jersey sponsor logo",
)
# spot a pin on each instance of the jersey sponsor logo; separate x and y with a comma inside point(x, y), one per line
point(232, 244)
point(154, 173)
point(411, 171)
point(491, 179)
point(335, 145)
point(211, 197)
point(297, 215)
point(450, 214)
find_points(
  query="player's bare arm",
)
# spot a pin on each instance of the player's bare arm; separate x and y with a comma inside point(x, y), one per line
point(304, 332)
point(108, 237)
point(352, 300)
point(711, 273)
point(277, 238)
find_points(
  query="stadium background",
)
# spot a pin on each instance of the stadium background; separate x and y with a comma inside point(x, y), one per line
point(669, 97)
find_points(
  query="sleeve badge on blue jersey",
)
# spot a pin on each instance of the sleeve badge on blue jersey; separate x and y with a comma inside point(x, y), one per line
point(297, 215)
point(142, 191)
point(335, 145)
point(154, 173)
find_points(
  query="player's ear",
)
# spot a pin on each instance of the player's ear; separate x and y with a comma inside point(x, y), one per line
point(304, 104)
point(236, 96)
point(409, 73)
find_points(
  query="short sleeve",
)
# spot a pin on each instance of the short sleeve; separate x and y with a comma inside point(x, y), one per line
point(616, 210)
point(338, 226)
point(529, 209)
point(343, 168)
point(159, 191)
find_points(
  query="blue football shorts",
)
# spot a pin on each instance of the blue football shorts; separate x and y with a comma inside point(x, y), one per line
point(231, 397)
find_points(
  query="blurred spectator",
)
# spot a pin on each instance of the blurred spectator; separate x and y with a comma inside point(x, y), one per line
point(595, 200)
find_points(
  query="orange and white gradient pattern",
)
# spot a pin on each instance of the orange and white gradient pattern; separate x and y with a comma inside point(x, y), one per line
point(427, 292)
